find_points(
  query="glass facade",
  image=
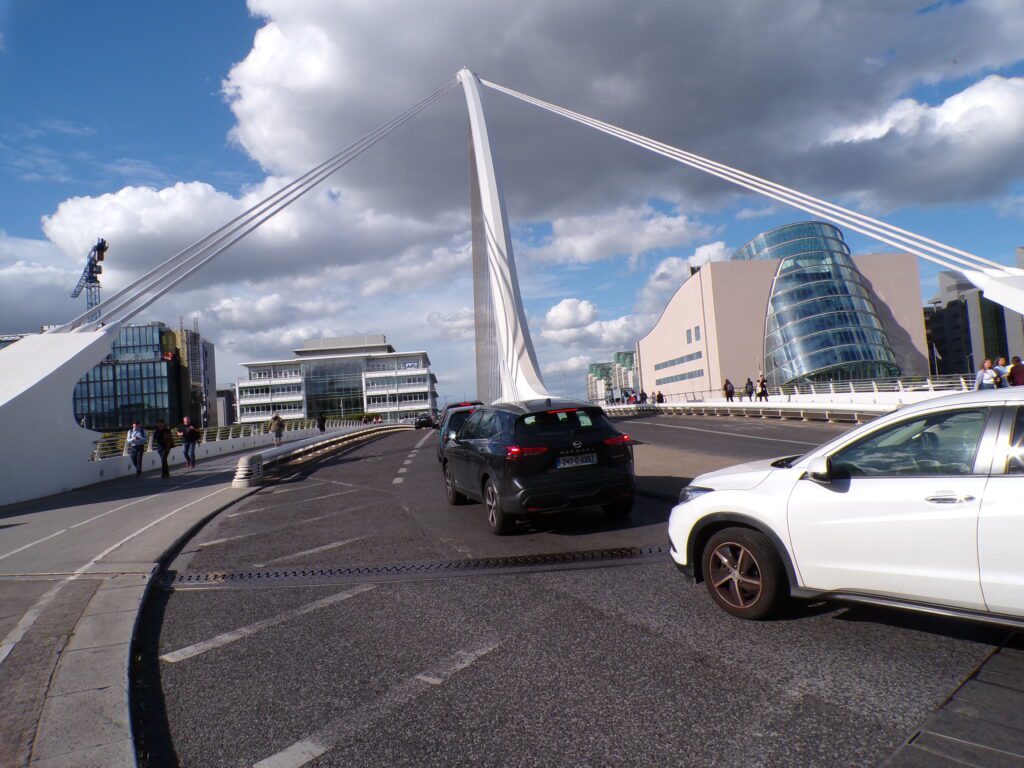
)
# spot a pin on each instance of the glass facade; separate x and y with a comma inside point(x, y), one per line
point(139, 381)
point(821, 323)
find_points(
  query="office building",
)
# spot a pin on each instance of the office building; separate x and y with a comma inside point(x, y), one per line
point(794, 304)
point(612, 380)
point(226, 406)
point(339, 378)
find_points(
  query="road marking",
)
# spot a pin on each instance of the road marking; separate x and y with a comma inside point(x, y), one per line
point(425, 438)
point(15, 635)
point(308, 749)
point(325, 496)
point(722, 432)
point(247, 511)
point(213, 542)
point(402, 470)
point(299, 487)
point(398, 480)
point(305, 552)
point(237, 634)
point(33, 543)
point(407, 462)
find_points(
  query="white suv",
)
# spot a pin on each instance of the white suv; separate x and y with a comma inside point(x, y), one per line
point(922, 508)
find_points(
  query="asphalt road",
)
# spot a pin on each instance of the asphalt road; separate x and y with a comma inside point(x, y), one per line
point(622, 665)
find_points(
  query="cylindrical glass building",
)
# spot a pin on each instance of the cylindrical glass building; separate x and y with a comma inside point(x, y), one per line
point(821, 323)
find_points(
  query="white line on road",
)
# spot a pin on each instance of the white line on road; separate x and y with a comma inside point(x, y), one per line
point(33, 543)
point(213, 542)
point(303, 553)
point(407, 462)
point(23, 626)
point(237, 634)
point(424, 439)
point(402, 470)
point(299, 487)
point(310, 748)
point(247, 511)
point(731, 434)
point(398, 480)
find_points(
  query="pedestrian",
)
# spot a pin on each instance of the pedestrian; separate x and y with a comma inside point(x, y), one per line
point(321, 423)
point(189, 437)
point(749, 389)
point(660, 398)
point(987, 377)
point(163, 441)
point(276, 426)
point(1002, 368)
point(1016, 373)
point(762, 388)
point(137, 445)
point(643, 397)
point(730, 390)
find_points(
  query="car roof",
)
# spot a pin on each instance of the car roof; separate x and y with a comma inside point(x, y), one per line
point(461, 409)
point(523, 407)
point(974, 397)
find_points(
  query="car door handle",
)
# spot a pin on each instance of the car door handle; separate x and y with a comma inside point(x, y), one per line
point(947, 498)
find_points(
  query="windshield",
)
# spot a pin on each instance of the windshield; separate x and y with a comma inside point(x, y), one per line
point(560, 422)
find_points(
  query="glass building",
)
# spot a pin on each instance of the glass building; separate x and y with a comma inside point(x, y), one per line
point(821, 322)
point(141, 380)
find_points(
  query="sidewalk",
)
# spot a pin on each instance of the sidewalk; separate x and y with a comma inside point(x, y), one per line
point(74, 570)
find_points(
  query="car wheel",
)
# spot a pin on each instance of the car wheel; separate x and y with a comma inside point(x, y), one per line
point(743, 573)
point(499, 522)
point(454, 497)
point(619, 509)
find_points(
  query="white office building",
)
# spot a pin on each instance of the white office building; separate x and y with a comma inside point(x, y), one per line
point(339, 377)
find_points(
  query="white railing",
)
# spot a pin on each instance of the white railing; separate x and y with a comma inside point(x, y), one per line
point(839, 412)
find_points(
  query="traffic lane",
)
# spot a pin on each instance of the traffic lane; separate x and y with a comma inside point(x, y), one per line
point(739, 439)
point(628, 665)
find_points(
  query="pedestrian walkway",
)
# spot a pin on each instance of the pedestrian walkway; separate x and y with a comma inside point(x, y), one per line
point(74, 569)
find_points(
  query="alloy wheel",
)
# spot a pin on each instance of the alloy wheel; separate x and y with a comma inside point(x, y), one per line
point(491, 499)
point(735, 575)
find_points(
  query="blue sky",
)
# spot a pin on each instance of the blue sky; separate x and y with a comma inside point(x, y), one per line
point(152, 123)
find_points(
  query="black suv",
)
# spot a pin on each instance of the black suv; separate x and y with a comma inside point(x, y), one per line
point(539, 456)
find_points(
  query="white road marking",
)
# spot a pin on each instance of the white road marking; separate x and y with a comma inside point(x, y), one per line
point(398, 480)
point(299, 487)
point(33, 543)
point(213, 542)
point(731, 434)
point(237, 634)
point(15, 635)
point(407, 462)
point(303, 553)
point(323, 740)
point(325, 496)
point(424, 439)
point(247, 511)
point(402, 470)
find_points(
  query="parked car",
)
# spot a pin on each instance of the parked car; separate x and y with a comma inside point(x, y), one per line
point(921, 509)
point(453, 420)
point(424, 422)
point(539, 456)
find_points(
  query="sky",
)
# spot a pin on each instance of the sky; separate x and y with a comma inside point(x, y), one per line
point(151, 124)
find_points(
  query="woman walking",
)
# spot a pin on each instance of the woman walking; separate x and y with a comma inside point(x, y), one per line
point(762, 388)
point(730, 390)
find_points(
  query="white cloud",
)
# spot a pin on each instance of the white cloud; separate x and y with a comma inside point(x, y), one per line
point(571, 365)
point(673, 271)
point(458, 326)
point(624, 231)
point(570, 313)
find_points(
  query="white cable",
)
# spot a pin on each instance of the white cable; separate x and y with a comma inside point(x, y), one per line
point(879, 230)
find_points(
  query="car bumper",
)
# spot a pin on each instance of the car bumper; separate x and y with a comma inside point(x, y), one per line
point(679, 560)
point(556, 496)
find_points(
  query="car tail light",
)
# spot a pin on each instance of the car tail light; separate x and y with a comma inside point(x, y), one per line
point(617, 440)
point(513, 452)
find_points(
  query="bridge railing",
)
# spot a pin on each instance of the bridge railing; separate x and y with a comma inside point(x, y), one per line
point(116, 443)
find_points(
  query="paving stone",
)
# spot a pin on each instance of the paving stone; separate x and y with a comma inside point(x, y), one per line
point(103, 629)
point(89, 668)
point(967, 753)
point(116, 600)
point(911, 756)
point(971, 709)
point(974, 730)
point(120, 754)
point(1006, 663)
point(83, 720)
point(994, 702)
point(1013, 680)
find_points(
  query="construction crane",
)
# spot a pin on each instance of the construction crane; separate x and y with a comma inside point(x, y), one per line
point(90, 279)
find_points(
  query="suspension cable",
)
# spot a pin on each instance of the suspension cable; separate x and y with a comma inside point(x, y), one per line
point(177, 268)
point(898, 238)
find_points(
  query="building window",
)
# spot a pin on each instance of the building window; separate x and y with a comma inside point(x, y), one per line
point(689, 336)
point(680, 377)
point(696, 333)
point(678, 361)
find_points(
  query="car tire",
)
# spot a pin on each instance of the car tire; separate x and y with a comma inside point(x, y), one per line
point(743, 573)
point(618, 509)
point(497, 520)
point(454, 497)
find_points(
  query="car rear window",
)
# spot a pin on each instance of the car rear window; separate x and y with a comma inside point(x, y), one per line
point(456, 420)
point(560, 422)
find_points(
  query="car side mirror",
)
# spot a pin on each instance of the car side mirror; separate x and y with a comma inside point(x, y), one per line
point(451, 437)
point(819, 469)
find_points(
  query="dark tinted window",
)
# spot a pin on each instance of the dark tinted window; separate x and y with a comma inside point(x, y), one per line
point(1015, 462)
point(490, 425)
point(469, 429)
point(561, 422)
point(457, 420)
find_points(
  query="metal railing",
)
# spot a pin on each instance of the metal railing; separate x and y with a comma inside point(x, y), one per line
point(834, 412)
point(116, 443)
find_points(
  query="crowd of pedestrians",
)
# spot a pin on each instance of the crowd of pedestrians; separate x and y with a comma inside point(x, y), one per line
point(1000, 374)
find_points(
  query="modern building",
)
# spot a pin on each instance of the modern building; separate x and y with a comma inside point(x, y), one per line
point(794, 304)
point(611, 380)
point(339, 378)
point(226, 406)
point(964, 327)
point(142, 379)
point(198, 367)
point(599, 382)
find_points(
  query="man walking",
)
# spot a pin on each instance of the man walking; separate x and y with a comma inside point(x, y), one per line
point(749, 389)
point(321, 423)
point(1016, 373)
point(189, 437)
point(137, 445)
point(163, 441)
point(277, 428)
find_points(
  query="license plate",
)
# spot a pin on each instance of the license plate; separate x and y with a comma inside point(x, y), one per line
point(576, 461)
